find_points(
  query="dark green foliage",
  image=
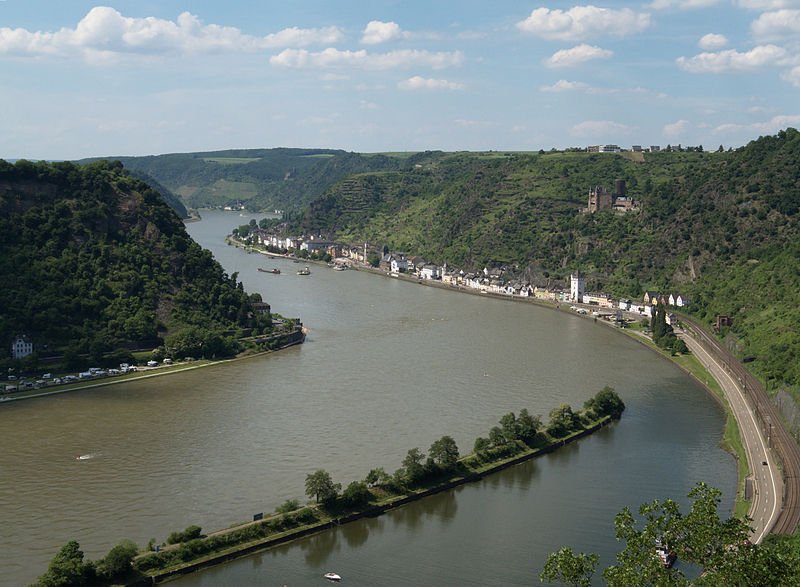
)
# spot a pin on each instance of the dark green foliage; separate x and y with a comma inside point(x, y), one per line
point(721, 228)
point(563, 421)
point(569, 568)
point(355, 495)
point(719, 547)
point(191, 533)
point(287, 506)
point(321, 487)
point(198, 547)
point(264, 179)
point(606, 403)
point(92, 260)
point(413, 465)
point(444, 453)
point(68, 569)
point(117, 563)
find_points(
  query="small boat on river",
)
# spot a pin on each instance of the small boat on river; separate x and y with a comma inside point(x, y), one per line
point(332, 577)
point(304, 271)
point(667, 555)
point(274, 271)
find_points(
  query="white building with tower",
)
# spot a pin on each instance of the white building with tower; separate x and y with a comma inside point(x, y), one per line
point(577, 287)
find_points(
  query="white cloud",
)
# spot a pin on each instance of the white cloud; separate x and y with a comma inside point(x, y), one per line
point(583, 22)
point(599, 128)
point(104, 33)
point(682, 4)
point(732, 60)
point(793, 76)
point(770, 126)
point(767, 4)
point(335, 58)
point(777, 25)
point(712, 41)
point(563, 85)
point(676, 128)
point(576, 56)
point(377, 32)
point(421, 83)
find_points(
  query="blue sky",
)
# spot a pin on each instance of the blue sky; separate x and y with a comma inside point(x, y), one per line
point(81, 79)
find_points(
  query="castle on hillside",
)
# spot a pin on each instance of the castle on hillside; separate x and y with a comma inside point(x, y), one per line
point(601, 199)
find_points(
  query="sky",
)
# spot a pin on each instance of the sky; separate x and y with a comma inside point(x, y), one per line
point(81, 79)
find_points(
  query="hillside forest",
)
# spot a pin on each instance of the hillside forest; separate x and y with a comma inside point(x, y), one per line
point(93, 261)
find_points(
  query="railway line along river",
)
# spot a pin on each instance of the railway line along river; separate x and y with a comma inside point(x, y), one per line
point(387, 366)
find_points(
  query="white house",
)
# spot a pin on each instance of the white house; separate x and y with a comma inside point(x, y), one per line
point(678, 300)
point(21, 347)
point(398, 264)
point(430, 271)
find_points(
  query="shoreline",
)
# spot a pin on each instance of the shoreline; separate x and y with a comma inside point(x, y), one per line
point(370, 511)
point(147, 374)
point(730, 445)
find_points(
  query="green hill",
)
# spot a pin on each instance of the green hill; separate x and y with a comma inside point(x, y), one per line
point(92, 259)
point(260, 179)
point(719, 227)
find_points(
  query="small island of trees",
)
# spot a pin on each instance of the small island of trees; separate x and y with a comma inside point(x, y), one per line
point(516, 438)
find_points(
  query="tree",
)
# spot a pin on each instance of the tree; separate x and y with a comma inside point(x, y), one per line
point(508, 424)
point(482, 444)
point(496, 436)
point(377, 477)
point(700, 537)
point(571, 569)
point(356, 495)
point(321, 487)
point(527, 426)
point(606, 403)
point(444, 452)
point(562, 421)
point(413, 464)
point(67, 569)
point(118, 560)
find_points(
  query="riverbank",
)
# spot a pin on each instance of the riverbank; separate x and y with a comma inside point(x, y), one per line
point(470, 468)
point(294, 339)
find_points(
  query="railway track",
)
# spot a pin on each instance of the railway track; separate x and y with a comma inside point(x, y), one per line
point(784, 447)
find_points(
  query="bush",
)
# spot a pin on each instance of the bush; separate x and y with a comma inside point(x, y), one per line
point(191, 533)
point(287, 506)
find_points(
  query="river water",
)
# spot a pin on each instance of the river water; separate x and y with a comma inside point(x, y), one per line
point(387, 366)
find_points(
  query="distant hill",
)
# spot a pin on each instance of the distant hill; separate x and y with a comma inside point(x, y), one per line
point(719, 227)
point(260, 179)
point(92, 259)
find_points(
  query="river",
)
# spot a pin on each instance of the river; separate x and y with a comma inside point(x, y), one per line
point(387, 366)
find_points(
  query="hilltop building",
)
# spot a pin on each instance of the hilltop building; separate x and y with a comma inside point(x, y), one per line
point(601, 199)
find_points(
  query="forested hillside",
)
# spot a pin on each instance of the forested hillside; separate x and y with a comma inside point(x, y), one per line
point(260, 179)
point(92, 259)
point(720, 227)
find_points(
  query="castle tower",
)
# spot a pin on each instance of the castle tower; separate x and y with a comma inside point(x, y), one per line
point(577, 286)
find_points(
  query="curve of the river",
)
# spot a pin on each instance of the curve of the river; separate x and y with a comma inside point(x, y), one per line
point(387, 366)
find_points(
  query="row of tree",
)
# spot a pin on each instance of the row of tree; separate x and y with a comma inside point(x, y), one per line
point(512, 435)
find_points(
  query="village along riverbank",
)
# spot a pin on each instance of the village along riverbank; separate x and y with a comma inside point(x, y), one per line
point(386, 365)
